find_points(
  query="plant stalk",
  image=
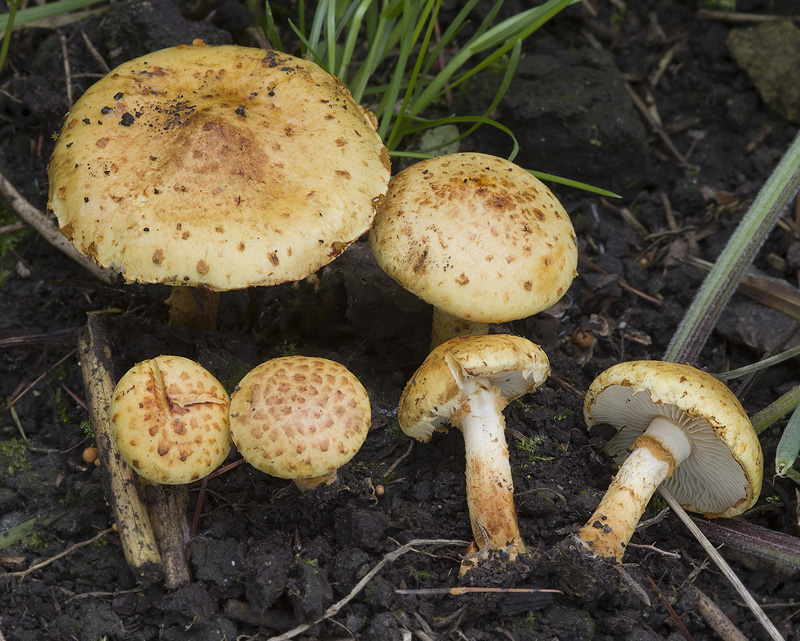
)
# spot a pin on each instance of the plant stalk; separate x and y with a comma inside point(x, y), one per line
point(723, 279)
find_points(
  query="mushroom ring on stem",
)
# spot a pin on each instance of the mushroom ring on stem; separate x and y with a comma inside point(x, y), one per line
point(216, 167)
point(169, 418)
point(466, 382)
point(678, 426)
point(300, 418)
point(477, 237)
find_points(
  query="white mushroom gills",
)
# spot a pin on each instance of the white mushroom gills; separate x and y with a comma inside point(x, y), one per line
point(490, 487)
point(656, 455)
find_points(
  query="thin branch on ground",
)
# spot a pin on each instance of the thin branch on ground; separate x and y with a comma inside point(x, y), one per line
point(22, 574)
point(388, 558)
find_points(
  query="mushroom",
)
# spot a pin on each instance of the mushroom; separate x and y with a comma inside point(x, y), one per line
point(466, 382)
point(169, 420)
point(678, 427)
point(216, 168)
point(477, 237)
point(299, 418)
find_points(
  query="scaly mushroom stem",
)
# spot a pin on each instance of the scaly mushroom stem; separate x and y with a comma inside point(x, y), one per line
point(446, 326)
point(490, 488)
point(656, 455)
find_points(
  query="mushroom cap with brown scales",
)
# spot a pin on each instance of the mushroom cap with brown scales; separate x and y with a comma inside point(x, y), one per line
point(221, 166)
point(476, 236)
point(169, 419)
point(723, 473)
point(299, 418)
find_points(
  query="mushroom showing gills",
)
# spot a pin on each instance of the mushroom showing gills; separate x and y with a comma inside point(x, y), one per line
point(466, 382)
point(683, 428)
point(477, 237)
point(169, 419)
point(300, 418)
point(216, 168)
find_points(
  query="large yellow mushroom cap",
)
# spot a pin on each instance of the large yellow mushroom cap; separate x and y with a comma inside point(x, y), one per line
point(722, 476)
point(169, 418)
point(477, 237)
point(299, 417)
point(221, 166)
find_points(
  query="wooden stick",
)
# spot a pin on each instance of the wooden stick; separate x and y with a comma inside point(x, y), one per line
point(119, 481)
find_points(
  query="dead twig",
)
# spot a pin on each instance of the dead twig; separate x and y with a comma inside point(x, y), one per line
point(36, 219)
point(716, 618)
point(60, 555)
point(388, 558)
point(681, 625)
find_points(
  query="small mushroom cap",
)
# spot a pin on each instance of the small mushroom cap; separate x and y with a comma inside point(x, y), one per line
point(722, 476)
point(476, 236)
point(169, 418)
point(299, 417)
point(221, 166)
point(513, 364)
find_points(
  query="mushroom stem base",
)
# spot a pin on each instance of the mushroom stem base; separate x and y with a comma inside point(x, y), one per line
point(304, 485)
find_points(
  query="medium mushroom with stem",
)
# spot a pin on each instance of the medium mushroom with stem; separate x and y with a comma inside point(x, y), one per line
point(213, 168)
point(477, 237)
point(466, 382)
point(300, 418)
point(169, 420)
point(679, 428)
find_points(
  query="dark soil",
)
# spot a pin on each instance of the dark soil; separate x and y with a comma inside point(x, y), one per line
point(265, 557)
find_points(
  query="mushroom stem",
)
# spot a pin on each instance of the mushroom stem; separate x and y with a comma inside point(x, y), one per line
point(490, 488)
point(656, 455)
point(446, 326)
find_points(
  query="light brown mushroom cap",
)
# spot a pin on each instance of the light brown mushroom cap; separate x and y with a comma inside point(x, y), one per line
point(221, 166)
point(299, 417)
point(169, 418)
point(722, 476)
point(432, 396)
point(475, 236)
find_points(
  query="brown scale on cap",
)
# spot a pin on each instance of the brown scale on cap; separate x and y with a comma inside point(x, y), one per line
point(169, 418)
point(299, 418)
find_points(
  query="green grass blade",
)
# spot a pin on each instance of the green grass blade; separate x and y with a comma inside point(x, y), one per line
point(43, 12)
point(723, 279)
point(567, 182)
point(14, 535)
point(270, 30)
point(354, 28)
point(788, 448)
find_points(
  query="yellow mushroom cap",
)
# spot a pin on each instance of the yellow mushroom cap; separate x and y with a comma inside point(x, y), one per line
point(221, 166)
point(475, 236)
point(722, 475)
point(299, 417)
point(169, 418)
point(432, 396)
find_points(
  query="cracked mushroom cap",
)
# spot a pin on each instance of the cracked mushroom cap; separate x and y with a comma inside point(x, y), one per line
point(221, 166)
point(513, 364)
point(722, 475)
point(169, 418)
point(299, 417)
point(475, 236)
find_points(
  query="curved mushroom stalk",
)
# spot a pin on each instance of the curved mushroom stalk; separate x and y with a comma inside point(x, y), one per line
point(490, 488)
point(656, 455)
point(446, 326)
point(466, 382)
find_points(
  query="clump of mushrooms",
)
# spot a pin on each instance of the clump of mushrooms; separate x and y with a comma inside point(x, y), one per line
point(477, 237)
point(213, 168)
point(300, 418)
point(678, 427)
point(466, 382)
